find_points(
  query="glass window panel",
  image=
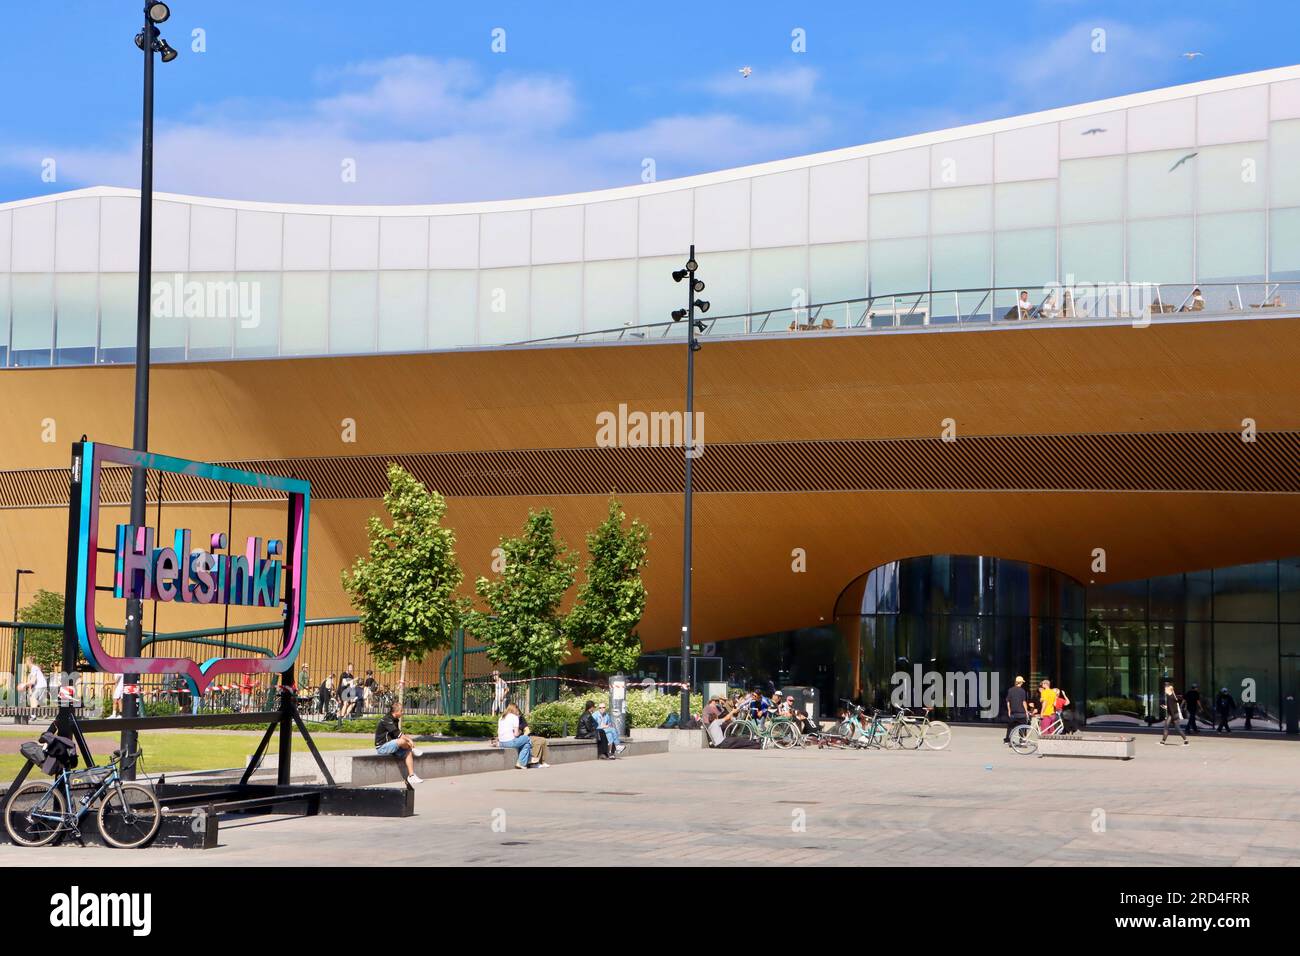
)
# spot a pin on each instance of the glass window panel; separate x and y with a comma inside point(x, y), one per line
point(967, 209)
point(726, 277)
point(837, 271)
point(609, 294)
point(1231, 177)
point(960, 262)
point(1286, 160)
point(899, 265)
point(1092, 190)
point(167, 333)
point(354, 309)
point(557, 300)
point(260, 336)
point(1284, 244)
point(1157, 187)
point(403, 323)
point(4, 318)
point(899, 214)
point(503, 305)
point(33, 318)
point(1247, 592)
point(1022, 205)
point(1025, 259)
point(304, 322)
point(77, 298)
point(453, 294)
point(214, 304)
point(1160, 250)
point(117, 309)
point(1092, 253)
point(657, 294)
point(780, 278)
point(1245, 655)
point(1289, 580)
point(1230, 246)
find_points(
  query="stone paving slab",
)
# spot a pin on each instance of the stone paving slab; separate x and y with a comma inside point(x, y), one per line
point(1219, 802)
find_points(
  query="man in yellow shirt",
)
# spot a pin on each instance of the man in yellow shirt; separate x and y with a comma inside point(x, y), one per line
point(1047, 700)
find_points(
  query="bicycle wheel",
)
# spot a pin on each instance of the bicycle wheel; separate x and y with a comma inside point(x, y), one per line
point(28, 813)
point(783, 735)
point(909, 736)
point(129, 816)
point(1021, 741)
point(937, 736)
point(741, 729)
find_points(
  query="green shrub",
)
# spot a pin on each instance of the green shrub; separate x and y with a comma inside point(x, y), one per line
point(160, 708)
point(560, 718)
point(417, 725)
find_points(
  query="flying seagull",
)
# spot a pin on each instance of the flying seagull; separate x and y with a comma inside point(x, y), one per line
point(745, 71)
point(1093, 131)
point(1193, 55)
point(1183, 160)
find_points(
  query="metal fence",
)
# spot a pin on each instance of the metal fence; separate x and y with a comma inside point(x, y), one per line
point(449, 682)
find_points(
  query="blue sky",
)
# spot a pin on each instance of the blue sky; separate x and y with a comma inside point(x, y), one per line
point(288, 91)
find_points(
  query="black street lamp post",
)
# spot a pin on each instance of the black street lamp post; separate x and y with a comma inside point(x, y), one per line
point(18, 647)
point(150, 43)
point(693, 286)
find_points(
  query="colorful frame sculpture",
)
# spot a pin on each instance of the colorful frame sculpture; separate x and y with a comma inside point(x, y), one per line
point(136, 556)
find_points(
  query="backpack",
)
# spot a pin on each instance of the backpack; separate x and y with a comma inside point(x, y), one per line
point(51, 753)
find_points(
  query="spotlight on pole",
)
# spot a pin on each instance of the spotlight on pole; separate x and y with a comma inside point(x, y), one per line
point(679, 314)
point(691, 264)
point(159, 12)
point(165, 49)
point(701, 305)
point(679, 275)
point(699, 285)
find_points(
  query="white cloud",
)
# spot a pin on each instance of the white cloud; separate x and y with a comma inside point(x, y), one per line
point(420, 130)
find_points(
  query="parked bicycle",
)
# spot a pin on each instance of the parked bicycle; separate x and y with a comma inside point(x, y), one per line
point(779, 732)
point(912, 731)
point(127, 813)
point(1024, 739)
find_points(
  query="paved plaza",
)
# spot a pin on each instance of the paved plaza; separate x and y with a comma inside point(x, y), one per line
point(1219, 802)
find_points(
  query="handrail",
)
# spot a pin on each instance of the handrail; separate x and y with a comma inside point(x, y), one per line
point(1080, 300)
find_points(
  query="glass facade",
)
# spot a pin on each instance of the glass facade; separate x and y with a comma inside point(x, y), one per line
point(979, 622)
point(1181, 186)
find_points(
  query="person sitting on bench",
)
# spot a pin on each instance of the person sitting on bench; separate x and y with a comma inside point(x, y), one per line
point(589, 729)
point(609, 730)
point(391, 742)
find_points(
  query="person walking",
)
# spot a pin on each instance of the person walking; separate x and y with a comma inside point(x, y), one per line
point(1223, 708)
point(390, 741)
point(510, 737)
point(1173, 714)
point(1193, 701)
point(36, 685)
point(1046, 705)
point(1017, 712)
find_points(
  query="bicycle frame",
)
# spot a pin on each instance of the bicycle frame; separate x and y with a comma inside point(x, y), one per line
point(77, 810)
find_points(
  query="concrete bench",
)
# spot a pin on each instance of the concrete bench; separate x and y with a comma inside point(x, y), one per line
point(441, 761)
point(1112, 746)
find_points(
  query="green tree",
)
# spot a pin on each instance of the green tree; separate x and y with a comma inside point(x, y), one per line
point(404, 589)
point(44, 645)
point(522, 627)
point(602, 623)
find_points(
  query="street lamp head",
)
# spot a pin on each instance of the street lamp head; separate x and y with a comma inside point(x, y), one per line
point(679, 314)
point(168, 52)
point(701, 305)
point(691, 265)
point(679, 275)
point(158, 12)
point(699, 285)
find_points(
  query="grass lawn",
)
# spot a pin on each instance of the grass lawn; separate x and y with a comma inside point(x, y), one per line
point(212, 750)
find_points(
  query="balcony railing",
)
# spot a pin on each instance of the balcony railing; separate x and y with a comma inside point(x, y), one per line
point(1109, 303)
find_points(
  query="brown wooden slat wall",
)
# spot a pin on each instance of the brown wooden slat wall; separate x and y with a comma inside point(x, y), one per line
point(1158, 462)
